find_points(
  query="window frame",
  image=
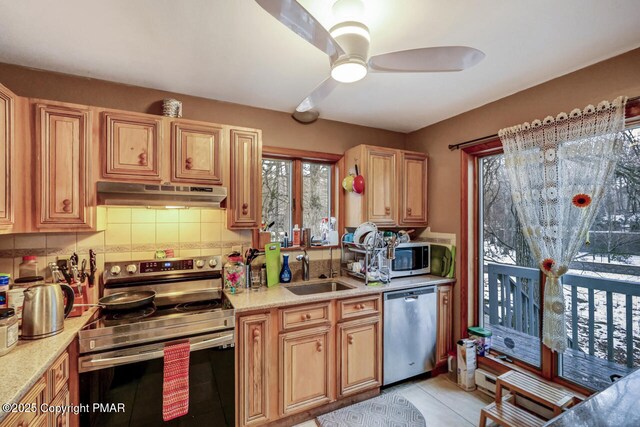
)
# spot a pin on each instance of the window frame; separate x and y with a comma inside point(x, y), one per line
point(297, 157)
point(470, 247)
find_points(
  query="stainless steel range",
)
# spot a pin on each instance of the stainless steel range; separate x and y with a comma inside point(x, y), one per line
point(121, 352)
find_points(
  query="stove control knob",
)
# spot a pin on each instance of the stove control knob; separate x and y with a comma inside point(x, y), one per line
point(132, 268)
point(213, 262)
point(115, 270)
point(200, 263)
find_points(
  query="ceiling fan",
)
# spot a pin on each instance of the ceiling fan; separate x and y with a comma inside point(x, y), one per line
point(347, 45)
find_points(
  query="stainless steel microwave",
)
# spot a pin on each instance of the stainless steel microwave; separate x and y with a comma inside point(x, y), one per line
point(412, 259)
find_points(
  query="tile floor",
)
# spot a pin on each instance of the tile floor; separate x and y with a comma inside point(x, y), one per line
point(441, 402)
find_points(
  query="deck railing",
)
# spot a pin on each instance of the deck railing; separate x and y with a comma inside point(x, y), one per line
point(601, 313)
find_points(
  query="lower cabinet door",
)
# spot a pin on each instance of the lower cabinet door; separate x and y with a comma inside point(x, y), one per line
point(59, 419)
point(253, 393)
point(359, 352)
point(306, 366)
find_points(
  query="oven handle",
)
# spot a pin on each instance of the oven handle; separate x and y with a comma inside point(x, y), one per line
point(88, 364)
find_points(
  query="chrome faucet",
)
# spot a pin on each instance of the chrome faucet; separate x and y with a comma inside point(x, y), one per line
point(305, 264)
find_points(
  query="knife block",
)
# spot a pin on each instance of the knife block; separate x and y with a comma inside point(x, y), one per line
point(80, 298)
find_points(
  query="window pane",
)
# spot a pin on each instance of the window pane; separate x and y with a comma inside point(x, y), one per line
point(510, 291)
point(316, 196)
point(276, 193)
point(602, 287)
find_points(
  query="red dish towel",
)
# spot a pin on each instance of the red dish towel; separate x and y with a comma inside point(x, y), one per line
point(175, 388)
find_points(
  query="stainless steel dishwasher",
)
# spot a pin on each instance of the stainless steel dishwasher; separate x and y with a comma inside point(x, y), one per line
point(410, 318)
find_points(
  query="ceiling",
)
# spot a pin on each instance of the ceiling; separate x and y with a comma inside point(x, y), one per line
point(232, 50)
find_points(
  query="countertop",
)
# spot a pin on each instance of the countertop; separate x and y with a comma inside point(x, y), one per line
point(29, 360)
point(616, 405)
point(279, 296)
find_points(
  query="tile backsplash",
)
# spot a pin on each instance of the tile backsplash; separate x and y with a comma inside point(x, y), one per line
point(131, 233)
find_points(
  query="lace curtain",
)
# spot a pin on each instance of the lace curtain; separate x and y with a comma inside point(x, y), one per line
point(558, 170)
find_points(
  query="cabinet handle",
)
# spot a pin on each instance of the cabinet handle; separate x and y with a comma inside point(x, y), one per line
point(188, 163)
point(245, 208)
point(142, 159)
point(66, 205)
point(408, 211)
point(319, 345)
point(350, 339)
point(306, 317)
point(387, 210)
point(256, 334)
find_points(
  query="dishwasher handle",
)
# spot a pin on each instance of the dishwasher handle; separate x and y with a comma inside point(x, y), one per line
point(410, 294)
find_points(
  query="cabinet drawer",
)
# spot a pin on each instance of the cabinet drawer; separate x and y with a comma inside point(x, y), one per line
point(305, 316)
point(59, 419)
point(57, 376)
point(357, 307)
point(33, 400)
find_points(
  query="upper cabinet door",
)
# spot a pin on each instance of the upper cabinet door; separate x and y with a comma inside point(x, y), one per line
point(380, 190)
point(132, 146)
point(63, 139)
point(413, 206)
point(197, 155)
point(245, 192)
point(6, 157)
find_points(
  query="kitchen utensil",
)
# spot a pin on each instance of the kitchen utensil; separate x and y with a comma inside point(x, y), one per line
point(358, 182)
point(391, 247)
point(83, 272)
point(440, 260)
point(347, 183)
point(362, 230)
point(45, 309)
point(73, 259)
point(272, 257)
point(64, 270)
point(121, 301)
point(93, 267)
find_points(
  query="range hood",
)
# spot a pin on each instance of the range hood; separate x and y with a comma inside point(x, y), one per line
point(134, 194)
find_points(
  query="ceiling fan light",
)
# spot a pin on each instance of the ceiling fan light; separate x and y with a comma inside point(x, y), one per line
point(349, 71)
point(351, 27)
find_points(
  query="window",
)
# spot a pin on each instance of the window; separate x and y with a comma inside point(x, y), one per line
point(277, 193)
point(601, 289)
point(298, 190)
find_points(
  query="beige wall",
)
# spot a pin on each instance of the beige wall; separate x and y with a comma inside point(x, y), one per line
point(278, 129)
point(605, 80)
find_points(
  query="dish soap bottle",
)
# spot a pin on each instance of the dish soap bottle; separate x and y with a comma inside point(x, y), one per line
point(296, 235)
point(285, 273)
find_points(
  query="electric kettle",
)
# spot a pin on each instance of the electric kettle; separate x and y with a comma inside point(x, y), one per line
point(45, 309)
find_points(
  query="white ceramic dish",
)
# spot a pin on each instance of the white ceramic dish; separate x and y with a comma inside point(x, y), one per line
point(362, 230)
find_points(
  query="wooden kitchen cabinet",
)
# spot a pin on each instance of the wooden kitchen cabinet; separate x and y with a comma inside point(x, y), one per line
point(445, 324)
point(244, 203)
point(395, 191)
point(381, 176)
point(64, 140)
point(413, 188)
point(7, 133)
point(306, 369)
point(359, 355)
point(253, 369)
point(59, 419)
point(132, 146)
point(197, 153)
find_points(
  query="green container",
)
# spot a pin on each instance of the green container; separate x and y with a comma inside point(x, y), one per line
point(479, 332)
point(483, 339)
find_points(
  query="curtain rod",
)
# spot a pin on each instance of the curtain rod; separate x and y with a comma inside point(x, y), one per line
point(482, 140)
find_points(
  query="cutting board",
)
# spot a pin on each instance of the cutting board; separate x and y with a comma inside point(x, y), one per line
point(272, 259)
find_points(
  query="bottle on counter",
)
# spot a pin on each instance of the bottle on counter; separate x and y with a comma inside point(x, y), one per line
point(4, 289)
point(28, 267)
point(295, 235)
point(285, 273)
point(8, 330)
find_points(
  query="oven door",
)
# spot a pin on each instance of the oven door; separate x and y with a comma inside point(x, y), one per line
point(134, 377)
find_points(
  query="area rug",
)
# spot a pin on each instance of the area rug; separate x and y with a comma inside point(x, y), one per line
point(387, 409)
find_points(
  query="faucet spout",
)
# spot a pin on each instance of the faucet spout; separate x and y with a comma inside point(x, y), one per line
point(305, 264)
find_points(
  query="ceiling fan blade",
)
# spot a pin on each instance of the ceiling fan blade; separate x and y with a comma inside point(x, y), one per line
point(296, 18)
point(318, 95)
point(427, 60)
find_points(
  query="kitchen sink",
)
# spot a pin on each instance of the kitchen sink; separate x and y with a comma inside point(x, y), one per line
point(317, 288)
